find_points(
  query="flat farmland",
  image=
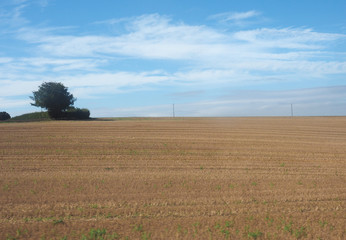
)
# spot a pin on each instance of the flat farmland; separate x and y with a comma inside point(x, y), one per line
point(178, 178)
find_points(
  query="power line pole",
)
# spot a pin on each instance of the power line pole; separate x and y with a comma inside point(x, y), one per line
point(173, 111)
point(291, 110)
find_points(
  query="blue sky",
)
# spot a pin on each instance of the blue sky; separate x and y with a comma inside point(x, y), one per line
point(209, 58)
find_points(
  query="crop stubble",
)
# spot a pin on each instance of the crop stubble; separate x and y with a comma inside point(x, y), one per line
point(181, 178)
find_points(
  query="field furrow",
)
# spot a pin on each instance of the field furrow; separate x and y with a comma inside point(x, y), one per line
point(178, 178)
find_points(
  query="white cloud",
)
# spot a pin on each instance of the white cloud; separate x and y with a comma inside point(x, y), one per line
point(239, 19)
point(63, 64)
point(290, 38)
point(158, 37)
point(49, 65)
point(149, 36)
point(235, 16)
point(242, 15)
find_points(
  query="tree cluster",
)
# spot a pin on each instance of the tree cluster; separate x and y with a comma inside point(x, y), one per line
point(76, 113)
point(4, 116)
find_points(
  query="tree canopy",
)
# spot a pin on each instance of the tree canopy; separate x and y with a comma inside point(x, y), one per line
point(54, 97)
point(4, 116)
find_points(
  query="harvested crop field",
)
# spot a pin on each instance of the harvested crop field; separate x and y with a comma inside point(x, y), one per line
point(178, 178)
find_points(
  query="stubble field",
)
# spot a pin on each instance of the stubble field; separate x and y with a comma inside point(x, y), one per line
point(181, 178)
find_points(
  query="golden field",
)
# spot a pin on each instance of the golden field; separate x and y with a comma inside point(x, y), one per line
point(177, 178)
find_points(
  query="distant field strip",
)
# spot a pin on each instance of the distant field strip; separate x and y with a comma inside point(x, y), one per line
point(174, 178)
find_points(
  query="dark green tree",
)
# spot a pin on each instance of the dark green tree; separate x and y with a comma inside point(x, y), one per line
point(4, 116)
point(54, 97)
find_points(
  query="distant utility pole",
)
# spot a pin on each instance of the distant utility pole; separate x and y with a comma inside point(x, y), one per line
point(291, 110)
point(173, 111)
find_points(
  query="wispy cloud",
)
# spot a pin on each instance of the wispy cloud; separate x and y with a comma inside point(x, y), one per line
point(149, 36)
point(13, 18)
point(238, 18)
point(43, 3)
point(290, 38)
